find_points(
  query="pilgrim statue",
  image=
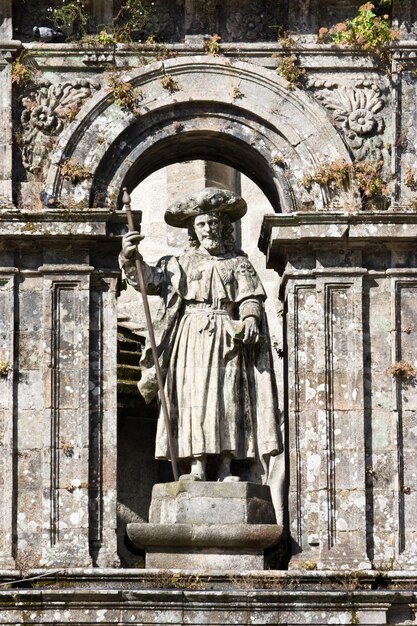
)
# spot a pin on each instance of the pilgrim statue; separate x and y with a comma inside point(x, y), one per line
point(213, 343)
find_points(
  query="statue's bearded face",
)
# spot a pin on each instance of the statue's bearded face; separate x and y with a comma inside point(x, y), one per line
point(208, 229)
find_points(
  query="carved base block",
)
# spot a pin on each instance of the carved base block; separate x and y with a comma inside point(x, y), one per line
point(207, 526)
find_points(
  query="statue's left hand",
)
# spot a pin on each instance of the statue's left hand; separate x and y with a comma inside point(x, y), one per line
point(251, 330)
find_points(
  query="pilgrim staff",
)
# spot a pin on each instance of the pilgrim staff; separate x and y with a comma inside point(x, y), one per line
point(142, 288)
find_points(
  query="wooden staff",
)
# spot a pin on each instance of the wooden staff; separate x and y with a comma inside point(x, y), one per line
point(142, 288)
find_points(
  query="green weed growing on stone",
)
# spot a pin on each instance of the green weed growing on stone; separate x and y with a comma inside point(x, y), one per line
point(354, 617)
point(165, 579)
point(402, 370)
point(74, 171)
point(334, 175)
point(21, 72)
point(124, 95)
point(367, 30)
point(169, 83)
point(67, 448)
point(253, 581)
point(211, 45)
point(410, 179)
point(161, 51)
point(278, 160)
point(4, 368)
point(338, 175)
point(285, 40)
point(236, 93)
point(368, 176)
point(105, 39)
point(289, 68)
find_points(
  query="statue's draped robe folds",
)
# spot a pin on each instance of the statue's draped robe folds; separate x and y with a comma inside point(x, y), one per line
point(220, 392)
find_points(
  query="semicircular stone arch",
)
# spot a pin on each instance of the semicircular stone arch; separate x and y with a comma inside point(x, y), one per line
point(216, 109)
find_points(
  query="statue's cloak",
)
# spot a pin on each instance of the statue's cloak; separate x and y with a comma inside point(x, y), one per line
point(230, 280)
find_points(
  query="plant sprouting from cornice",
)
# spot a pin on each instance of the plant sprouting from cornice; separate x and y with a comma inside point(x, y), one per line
point(290, 69)
point(370, 30)
point(338, 175)
point(211, 44)
point(369, 179)
point(22, 72)
point(334, 175)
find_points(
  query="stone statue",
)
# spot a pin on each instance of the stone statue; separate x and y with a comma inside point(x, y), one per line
point(212, 340)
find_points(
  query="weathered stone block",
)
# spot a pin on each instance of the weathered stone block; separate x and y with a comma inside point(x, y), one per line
point(202, 525)
point(211, 503)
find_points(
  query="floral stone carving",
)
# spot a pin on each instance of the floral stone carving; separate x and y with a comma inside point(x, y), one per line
point(47, 109)
point(254, 22)
point(357, 110)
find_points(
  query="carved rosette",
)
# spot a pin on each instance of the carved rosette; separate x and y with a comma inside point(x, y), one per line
point(357, 111)
point(251, 24)
point(47, 109)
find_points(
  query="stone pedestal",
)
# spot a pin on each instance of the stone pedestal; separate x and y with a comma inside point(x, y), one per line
point(207, 526)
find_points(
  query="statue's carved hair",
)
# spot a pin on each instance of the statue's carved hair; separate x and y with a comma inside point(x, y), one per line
point(227, 234)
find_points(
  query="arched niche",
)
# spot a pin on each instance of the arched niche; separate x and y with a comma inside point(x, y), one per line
point(232, 112)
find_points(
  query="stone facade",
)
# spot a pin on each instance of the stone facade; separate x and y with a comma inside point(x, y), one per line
point(339, 267)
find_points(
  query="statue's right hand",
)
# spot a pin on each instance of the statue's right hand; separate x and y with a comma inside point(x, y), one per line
point(130, 243)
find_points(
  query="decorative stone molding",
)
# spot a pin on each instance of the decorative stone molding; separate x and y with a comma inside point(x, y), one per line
point(99, 58)
point(154, 597)
point(274, 122)
point(47, 109)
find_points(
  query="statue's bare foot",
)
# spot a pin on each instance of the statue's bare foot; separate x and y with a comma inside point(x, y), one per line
point(198, 470)
point(225, 475)
point(190, 476)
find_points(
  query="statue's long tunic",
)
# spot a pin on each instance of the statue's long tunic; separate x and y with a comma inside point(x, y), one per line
point(220, 392)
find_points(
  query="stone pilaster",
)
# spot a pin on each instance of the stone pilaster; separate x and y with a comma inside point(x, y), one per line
point(7, 413)
point(349, 286)
point(103, 425)
point(66, 303)
point(7, 49)
point(58, 344)
point(397, 469)
point(325, 415)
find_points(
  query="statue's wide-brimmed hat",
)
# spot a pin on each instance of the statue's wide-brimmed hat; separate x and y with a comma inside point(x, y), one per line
point(209, 200)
